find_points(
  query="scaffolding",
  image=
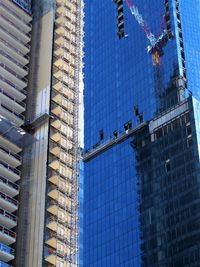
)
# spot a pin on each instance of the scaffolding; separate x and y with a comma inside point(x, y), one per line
point(62, 208)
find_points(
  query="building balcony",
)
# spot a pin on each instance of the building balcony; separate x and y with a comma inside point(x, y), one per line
point(55, 150)
point(63, 185)
point(61, 64)
point(56, 124)
point(67, 56)
point(8, 187)
point(8, 203)
point(62, 21)
point(56, 137)
point(62, 141)
point(55, 227)
point(9, 157)
point(10, 100)
point(62, 200)
point(7, 236)
point(52, 256)
point(64, 90)
point(9, 172)
point(3, 264)
point(53, 209)
point(55, 165)
point(63, 11)
point(6, 254)
point(7, 219)
point(64, 114)
point(12, 89)
point(61, 154)
point(13, 64)
point(13, 76)
point(17, 11)
point(62, 102)
point(61, 168)
point(65, 129)
point(62, 215)
point(12, 28)
point(14, 52)
point(14, 42)
point(52, 240)
point(9, 145)
point(62, 76)
point(10, 114)
point(12, 16)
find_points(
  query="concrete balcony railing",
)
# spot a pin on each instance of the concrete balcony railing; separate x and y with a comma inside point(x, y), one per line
point(9, 100)
point(8, 156)
point(7, 236)
point(13, 16)
point(7, 219)
point(9, 172)
point(14, 52)
point(14, 64)
point(3, 264)
point(8, 203)
point(8, 187)
point(6, 254)
point(11, 114)
point(6, 35)
point(17, 12)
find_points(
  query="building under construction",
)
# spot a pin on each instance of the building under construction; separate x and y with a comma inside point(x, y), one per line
point(48, 231)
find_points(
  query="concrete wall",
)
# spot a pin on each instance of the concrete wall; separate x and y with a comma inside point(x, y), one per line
point(29, 248)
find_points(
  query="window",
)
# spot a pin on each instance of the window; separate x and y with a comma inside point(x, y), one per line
point(101, 135)
point(167, 165)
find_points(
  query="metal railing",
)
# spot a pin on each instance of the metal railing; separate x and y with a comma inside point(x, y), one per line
point(7, 232)
point(10, 184)
point(14, 25)
point(14, 48)
point(13, 73)
point(4, 149)
point(8, 199)
point(25, 68)
point(9, 168)
point(20, 116)
point(15, 38)
point(13, 98)
point(7, 249)
point(16, 15)
point(13, 85)
point(8, 215)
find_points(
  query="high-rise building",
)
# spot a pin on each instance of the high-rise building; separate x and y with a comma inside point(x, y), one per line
point(15, 28)
point(48, 214)
point(141, 173)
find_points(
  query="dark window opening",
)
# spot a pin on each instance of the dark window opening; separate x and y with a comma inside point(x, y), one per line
point(167, 165)
point(188, 130)
point(136, 110)
point(115, 134)
point(189, 142)
point(101, 135)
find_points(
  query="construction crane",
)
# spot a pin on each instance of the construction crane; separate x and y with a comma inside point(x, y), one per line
point(156, 43)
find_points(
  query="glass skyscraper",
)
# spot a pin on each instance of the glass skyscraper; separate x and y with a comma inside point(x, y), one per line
point(141, 173)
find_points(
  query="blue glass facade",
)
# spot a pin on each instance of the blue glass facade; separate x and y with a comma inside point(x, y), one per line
point(25, 4)
point(124, 89)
